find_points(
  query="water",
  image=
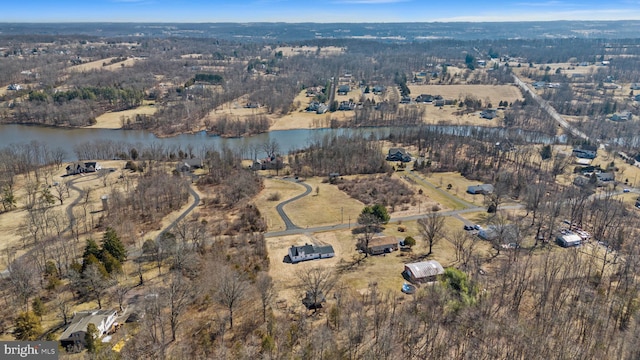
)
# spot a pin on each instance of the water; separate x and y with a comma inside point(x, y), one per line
point(287, 140)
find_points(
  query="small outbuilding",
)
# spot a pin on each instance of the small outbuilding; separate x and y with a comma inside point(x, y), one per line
point(424, 271)
point(568, 239)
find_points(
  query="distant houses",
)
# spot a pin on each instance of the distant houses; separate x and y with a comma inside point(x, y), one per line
point(424, 271)
point(310, 252)
point(14, 87)
point(80, 167)
point(483, 189)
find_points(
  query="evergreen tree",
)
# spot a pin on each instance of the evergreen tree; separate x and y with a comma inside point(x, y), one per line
point(111, 264)
point(38, 307)
point(91, 338)
point(27, 327)
point(112, 244)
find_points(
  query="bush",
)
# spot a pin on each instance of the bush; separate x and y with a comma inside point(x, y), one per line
point(274, 196)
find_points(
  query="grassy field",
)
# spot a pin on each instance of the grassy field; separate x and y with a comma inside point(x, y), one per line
point(329, 206)
point(267, 208)
point(113, 120)
point(459, 186)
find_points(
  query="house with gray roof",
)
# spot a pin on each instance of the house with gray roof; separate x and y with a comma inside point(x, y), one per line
point(310, 252)
point(484, 189)
point(73, 336)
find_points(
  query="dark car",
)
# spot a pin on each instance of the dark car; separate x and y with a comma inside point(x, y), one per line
point(468, 227)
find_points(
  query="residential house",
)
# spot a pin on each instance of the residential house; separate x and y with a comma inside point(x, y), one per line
point(622, 116)
point(398, 154)
point(15, 87)
point(539, 84)
point(424, 98)
point(488, 114)
point(586, 152)
point(635, 86)
point(424, 271)
point(343, 89)
point(405, 100)
point(439, 103)
point(188, 165)
point(508, 233)
point(80, 167)
point(605, 177)
point(637, 98)
point(378, 89)
point(484, 189)
point(382, 244)
point(346, 105)
point(73, 336)
point(310, 252)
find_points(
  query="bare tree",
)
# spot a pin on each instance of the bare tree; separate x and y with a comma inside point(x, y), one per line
point(264, 285)
point(431, 228)
point(316, 282)
point(179, 294)
point(231, 291)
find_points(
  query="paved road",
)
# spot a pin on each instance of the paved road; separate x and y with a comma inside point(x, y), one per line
point(550, 110)
point(279, 208)
point(454, 213)
point(196, 201)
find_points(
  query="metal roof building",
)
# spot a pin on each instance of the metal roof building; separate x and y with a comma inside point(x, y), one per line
point(423, 271)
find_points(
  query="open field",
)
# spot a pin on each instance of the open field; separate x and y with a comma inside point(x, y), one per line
point(113, 119)
point(267, 208)
point(459, 186)
point(495, 93)
point(325, 208)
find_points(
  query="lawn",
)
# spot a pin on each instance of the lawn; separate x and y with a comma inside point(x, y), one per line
point(113, 119)
point(267, 208)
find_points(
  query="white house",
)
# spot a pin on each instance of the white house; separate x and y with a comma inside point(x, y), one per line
point(310, 252)
point(74, 335)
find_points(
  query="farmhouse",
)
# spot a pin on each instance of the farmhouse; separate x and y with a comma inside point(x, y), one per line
point(483, 189)
point(568, 238)
point(378, 89)
point(382, 244)
point(423, 271)
point(82, 167)
point(73, 336)
point(310, 252)
point(398, 154)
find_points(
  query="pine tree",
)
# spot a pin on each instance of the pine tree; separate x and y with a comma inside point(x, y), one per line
point(112, 244)
point(27, 327)
point(91, 338)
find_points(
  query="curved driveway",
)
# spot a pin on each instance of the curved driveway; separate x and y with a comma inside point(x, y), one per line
point(279, 208)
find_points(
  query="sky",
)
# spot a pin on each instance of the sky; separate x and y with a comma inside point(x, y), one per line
point(323, 11)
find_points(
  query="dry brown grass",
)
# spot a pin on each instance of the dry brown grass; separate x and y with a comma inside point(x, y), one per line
point(113, 120)
point(267, 208)
point(458, 183)
point(326, 208)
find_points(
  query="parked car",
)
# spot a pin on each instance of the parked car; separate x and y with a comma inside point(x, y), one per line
point(477, 227)
point(626, 190)
point(468, 227)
